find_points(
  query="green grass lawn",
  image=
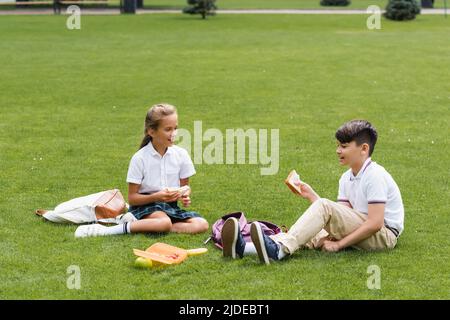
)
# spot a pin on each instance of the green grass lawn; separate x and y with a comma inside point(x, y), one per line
point(72, 107)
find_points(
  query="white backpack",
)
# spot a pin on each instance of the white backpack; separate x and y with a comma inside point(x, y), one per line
point(105, 207)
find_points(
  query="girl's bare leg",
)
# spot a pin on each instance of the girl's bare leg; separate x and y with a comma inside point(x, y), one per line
point(192, 225)
point(158, 221)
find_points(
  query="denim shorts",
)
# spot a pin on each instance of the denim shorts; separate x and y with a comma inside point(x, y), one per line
point(170, 208)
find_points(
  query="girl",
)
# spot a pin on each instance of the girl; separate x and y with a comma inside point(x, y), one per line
point(156, 167)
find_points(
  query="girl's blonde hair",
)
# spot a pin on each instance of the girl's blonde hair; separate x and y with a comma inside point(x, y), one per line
point(153, 118)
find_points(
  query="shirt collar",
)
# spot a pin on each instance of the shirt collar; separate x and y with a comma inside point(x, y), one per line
point(361, 171)
point(156, 153)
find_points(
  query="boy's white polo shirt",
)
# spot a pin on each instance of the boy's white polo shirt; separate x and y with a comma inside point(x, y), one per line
point(154, 172)
point(373, 184)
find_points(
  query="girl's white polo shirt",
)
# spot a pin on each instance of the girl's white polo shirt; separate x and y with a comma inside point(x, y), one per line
point(373, 184)
point(154, 172)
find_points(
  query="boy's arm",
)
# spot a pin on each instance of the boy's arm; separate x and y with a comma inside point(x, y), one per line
point(307, 192)
point(371, 226)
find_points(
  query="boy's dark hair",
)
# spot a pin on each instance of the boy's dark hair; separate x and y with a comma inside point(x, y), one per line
point(360, 131)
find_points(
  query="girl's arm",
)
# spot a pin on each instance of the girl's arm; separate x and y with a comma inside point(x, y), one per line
point(137, 199)
point(184, 182)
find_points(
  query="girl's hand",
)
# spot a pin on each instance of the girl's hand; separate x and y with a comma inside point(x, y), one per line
point(186, 200)
point(307, 191)
point(167, 196)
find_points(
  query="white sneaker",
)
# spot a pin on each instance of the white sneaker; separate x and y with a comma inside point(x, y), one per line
point(126, 217)
point(90, 230)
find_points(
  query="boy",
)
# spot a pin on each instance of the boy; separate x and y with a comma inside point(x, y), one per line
point(368, 214)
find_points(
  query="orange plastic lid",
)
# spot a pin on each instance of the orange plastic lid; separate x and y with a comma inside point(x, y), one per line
point(163, 253)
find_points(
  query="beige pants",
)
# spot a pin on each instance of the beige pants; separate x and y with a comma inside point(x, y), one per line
point(328, 219)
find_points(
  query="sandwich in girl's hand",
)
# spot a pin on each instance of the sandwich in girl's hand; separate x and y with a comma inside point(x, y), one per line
point(181, 190)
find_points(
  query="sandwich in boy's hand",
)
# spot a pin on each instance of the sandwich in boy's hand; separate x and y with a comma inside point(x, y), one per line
point(181, 190)
point(290, 181)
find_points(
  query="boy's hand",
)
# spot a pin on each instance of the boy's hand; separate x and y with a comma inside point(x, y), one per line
point(307, 191)
point(331, 246)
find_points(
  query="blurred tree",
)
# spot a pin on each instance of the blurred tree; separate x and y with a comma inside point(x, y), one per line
point(203, 7)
